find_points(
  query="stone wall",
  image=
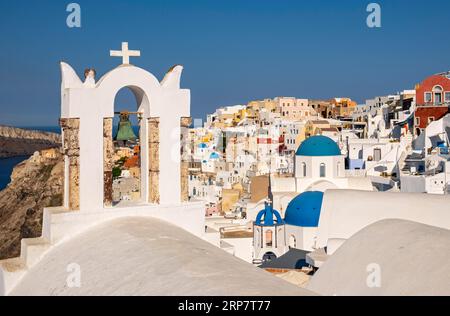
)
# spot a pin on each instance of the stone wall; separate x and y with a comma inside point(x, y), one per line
point(153, 149)
point(185, 124)
point(108, 161)
point(71, 150)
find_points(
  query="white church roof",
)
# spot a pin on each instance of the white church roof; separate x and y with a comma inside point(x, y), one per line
point(345, 212)
point(145, 256)
point(390, 257)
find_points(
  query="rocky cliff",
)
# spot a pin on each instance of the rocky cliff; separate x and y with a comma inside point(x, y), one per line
point(20, 142)
point(36, 183)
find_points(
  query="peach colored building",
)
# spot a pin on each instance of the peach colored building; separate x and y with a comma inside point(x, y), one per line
point(294, 109)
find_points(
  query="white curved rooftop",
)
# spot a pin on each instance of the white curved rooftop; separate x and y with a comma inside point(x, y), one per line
point(412, 259)
point(145, 256)
point(345, 212)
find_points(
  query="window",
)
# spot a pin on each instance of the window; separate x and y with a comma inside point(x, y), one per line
point(437, 98)
point(417, 121)
point(304, 169)
point(447, 97)
point(377, 154)
point(292, 242)
point(437, 90)
point(323, 171)
point(269, 238)
point(428, 97)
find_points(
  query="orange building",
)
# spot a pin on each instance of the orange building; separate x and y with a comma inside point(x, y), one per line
point(343, 107)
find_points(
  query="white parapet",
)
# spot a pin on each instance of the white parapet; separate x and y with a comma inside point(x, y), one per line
point(60, 225)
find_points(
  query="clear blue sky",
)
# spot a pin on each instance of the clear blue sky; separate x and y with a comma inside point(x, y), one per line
point(233, 50)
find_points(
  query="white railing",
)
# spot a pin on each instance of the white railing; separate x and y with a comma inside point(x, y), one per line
point(355, 173)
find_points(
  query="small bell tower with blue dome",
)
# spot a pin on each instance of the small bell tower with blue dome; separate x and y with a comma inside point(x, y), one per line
point(268, 232)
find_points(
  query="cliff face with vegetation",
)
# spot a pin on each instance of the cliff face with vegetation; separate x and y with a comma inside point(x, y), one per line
point(19, 142)
point(36, 183)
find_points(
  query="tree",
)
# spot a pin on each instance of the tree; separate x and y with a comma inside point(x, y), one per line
point(116, 172)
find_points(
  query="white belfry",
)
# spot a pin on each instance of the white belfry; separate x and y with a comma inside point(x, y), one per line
point(125, 53)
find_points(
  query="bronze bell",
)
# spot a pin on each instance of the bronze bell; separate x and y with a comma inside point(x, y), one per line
point(125, 131)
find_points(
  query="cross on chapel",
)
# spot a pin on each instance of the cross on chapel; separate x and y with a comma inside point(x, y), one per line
point(125, 53)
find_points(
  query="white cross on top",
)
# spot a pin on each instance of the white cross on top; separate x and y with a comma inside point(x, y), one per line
point(125, 53)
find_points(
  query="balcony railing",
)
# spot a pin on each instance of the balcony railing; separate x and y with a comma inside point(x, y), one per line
point(430, 104)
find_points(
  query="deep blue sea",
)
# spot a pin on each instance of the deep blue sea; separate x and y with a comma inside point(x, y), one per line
point(7, 165)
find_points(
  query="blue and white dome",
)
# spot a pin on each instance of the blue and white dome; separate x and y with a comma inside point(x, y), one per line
point(319, 146)
point(304, 210)
point(214, 155)
point(202, 146)
point(268, 217)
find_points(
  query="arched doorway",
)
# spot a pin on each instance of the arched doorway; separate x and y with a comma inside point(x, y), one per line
point(269, 256)
point(418, 132)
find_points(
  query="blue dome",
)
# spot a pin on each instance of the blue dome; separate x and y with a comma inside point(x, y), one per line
point(268, 217)
point(202, 145)
point(214, 156)
point(304, 210)
point(318, 146)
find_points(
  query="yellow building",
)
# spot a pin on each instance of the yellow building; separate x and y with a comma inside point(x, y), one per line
point(51, 153)
point(207, 138)
point(239, 116)
point(230, 197)
point(268, 104)
point(135, 172)
point(301, 136)
point(314, 127)
point(343, 107)
point(259, 188)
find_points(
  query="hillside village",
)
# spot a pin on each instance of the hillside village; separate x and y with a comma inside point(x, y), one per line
point(396, 143)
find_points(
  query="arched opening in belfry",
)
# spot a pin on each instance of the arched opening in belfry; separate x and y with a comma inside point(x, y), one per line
point(292, 242)
point(125, 140)
point(269, 238)
point(269, 256)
